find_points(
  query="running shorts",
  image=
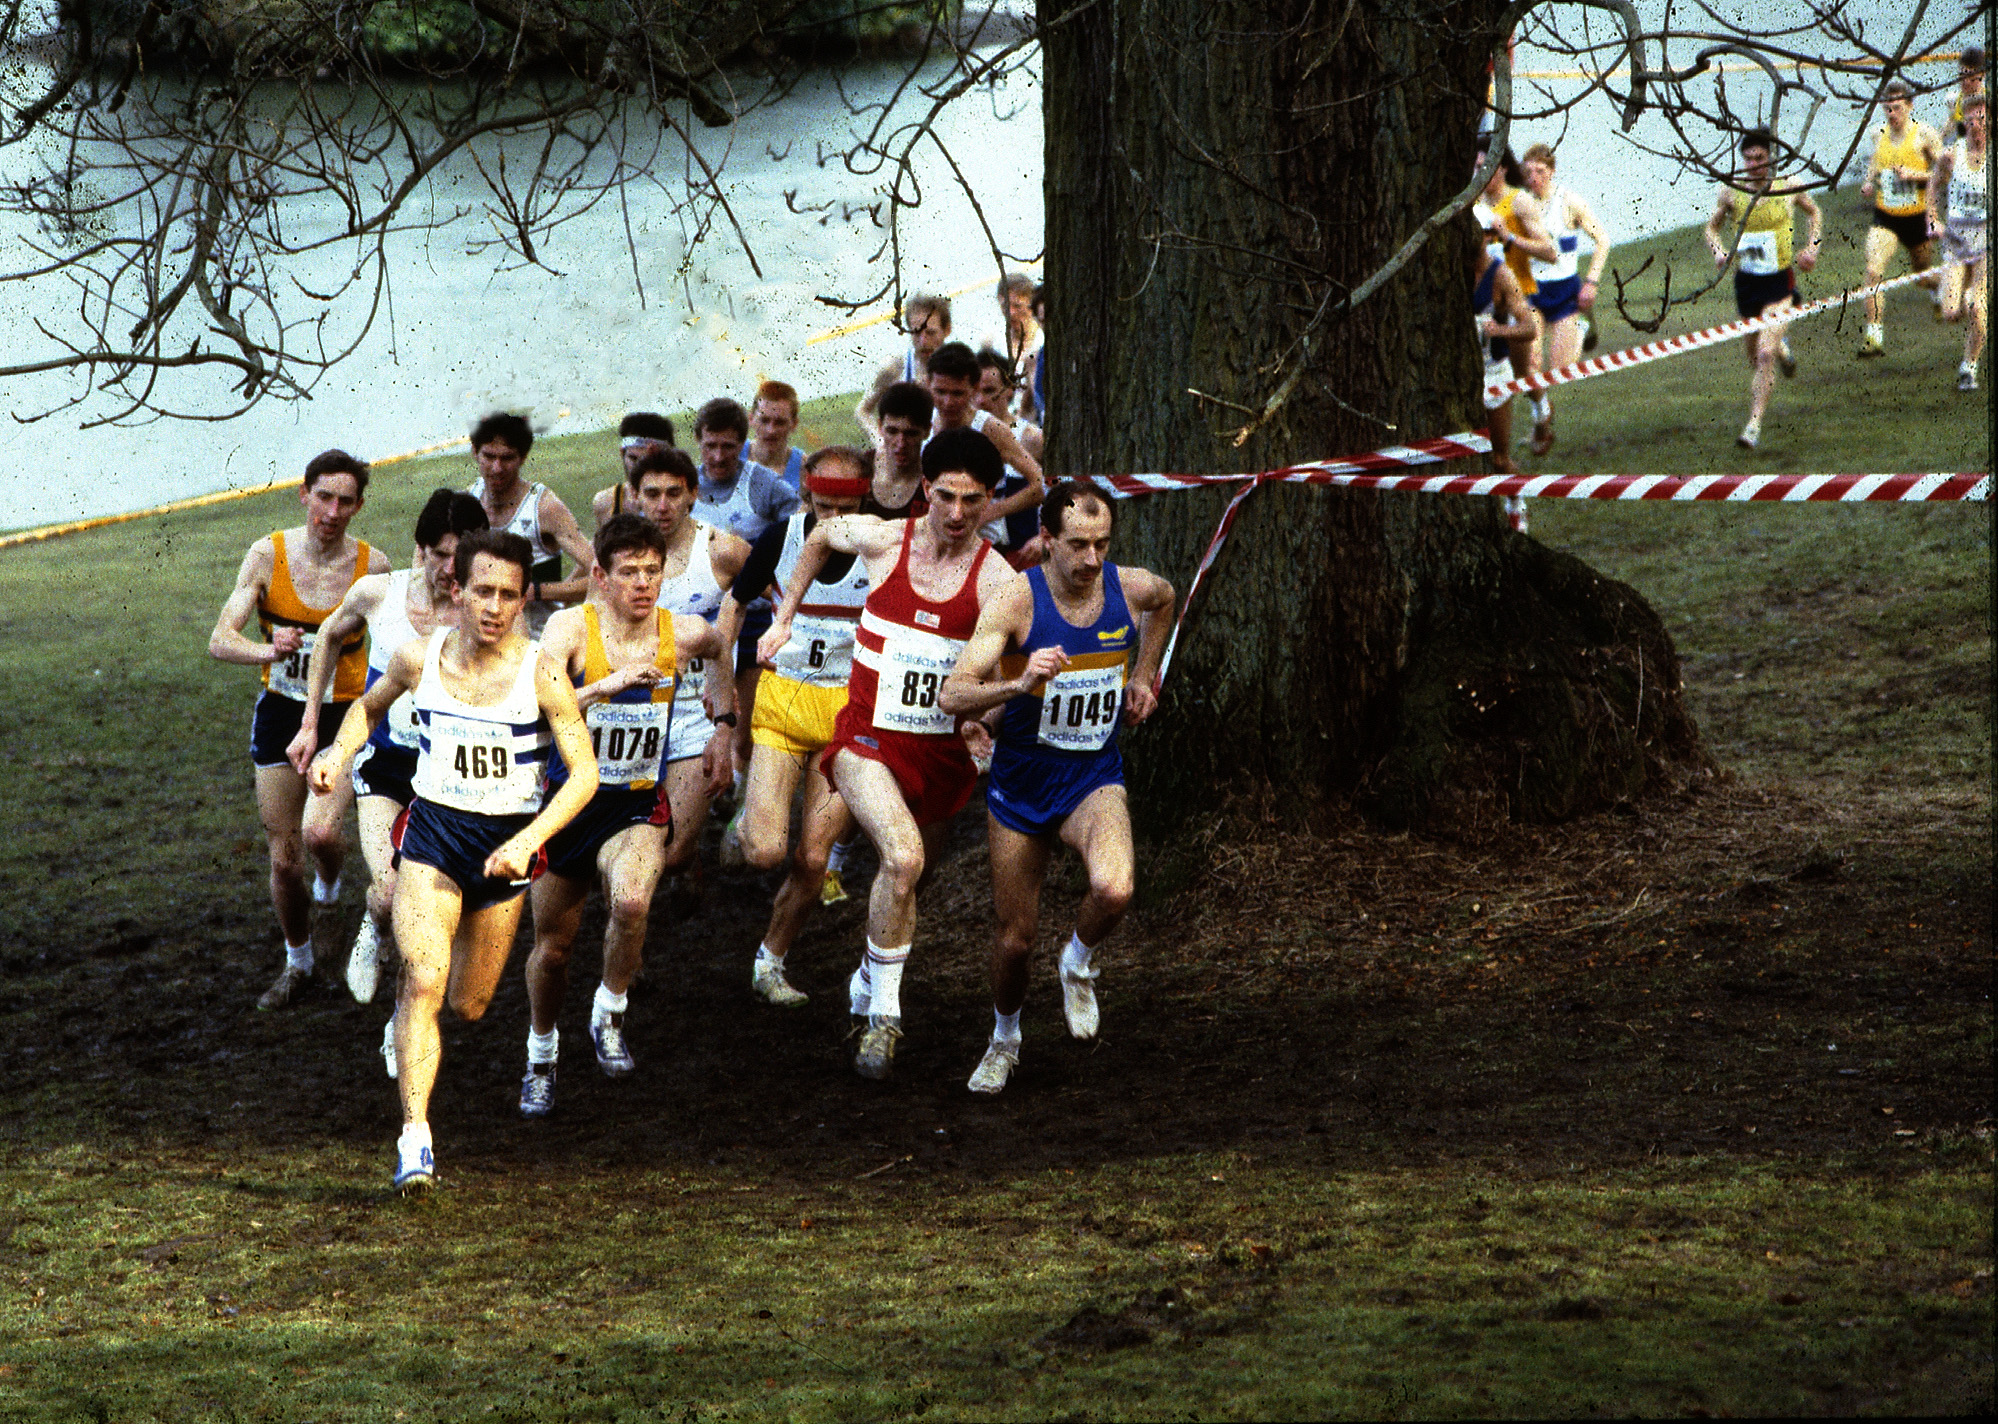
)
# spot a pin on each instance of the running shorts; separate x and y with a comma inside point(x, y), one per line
point(1495, 371)
point(275, 721)
point(1033, 794)
point(936, 774)
point(1965, 245)
point(688, 732)
point(1555, 300)
point(572, 851)
point(456, 844)
point(794, 717)
point(1911, 228)
point(1755, 291)
point(756, 619)
point(385, 771)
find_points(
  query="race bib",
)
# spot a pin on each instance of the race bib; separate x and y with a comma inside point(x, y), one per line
point(287, 674)
point(629, 738)
point(402, 728)
point(1893, 192)
point(1079, 708)
point(472, 763)
point(1966, 201)
point(912, 674)
point(692, 682)
point(1757, 254)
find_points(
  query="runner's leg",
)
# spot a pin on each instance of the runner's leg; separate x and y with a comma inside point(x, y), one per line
point(281, 797)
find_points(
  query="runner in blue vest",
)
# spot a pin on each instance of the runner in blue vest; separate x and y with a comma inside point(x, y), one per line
point(1062, 656)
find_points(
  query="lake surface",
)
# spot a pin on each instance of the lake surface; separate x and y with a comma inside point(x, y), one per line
point(576, 350)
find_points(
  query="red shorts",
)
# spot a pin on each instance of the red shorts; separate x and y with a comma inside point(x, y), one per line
point(936, 774)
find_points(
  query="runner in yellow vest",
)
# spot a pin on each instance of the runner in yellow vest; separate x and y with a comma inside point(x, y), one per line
point(1897, 180)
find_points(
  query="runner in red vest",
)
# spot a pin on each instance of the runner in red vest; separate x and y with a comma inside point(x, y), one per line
point(897, 758)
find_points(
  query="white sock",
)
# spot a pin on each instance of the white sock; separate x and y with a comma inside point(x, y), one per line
point(299, 956)
point(543, 1047)
point(1876, 331)
point(836, 857)
point(766, 955)
point(1542, 412)
point(860, 988)
point(884, 969)
point(1075, 955)
point(1006, 1027)
point(1970, 366)
point(605, 1004)
point(322, 892)
point(415, 1137)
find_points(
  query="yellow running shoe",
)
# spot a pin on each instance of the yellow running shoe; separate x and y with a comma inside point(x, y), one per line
point(831, 892)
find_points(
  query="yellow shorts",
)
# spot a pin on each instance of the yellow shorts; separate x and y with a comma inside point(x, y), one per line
point(794, 717)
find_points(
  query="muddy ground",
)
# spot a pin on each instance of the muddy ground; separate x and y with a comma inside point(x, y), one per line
point(1799, 971)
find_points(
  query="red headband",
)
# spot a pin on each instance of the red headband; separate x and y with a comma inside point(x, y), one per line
point(831, 486)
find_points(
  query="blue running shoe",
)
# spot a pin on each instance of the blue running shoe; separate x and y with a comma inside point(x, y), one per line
point(537, 1093)
point(414, 1171)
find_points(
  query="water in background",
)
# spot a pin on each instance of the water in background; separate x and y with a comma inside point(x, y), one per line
point(576, 350)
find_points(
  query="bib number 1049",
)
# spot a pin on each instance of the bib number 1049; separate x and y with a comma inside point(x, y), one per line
point(1079, 709)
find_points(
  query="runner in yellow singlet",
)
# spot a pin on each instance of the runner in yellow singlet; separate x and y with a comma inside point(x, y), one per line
point(1765, 280)
point(1897, 179)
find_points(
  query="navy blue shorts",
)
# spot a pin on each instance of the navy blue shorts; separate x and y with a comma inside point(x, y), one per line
point(385, 771)
point(755, 623)
point(572, 851)
point(1033, 793)
point(1755, 290)
point(456, 844)
point(1557, 299)
point(275, 722)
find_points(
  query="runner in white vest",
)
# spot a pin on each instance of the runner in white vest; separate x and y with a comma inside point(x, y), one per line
point(1959, 203)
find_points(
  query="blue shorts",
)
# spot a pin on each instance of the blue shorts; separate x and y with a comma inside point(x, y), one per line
point(1557, 299)
point(385, 771)
point(275, 722)
point(456, 844)
point(1033, 792)
point(756, 621)
point(572, 851)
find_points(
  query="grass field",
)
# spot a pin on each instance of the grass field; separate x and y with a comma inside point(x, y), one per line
point(1686, 1110)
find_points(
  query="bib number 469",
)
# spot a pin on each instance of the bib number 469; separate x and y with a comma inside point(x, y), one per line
point(480, 763)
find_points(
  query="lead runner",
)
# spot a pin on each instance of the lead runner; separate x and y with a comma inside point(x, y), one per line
point(1053, 652)
point(896, 757)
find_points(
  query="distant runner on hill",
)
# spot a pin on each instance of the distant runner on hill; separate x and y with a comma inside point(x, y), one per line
point(1959, 202)
point(638, 435)
point(1765, 280)
point(293, 580)
point(1897, 179)
point(501, 444)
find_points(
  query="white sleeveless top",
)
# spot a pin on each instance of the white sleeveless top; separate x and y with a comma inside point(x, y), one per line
point(1558, 217)
point(490, 761)
point(388, 630)
point(1968, 201)
point(820, 652)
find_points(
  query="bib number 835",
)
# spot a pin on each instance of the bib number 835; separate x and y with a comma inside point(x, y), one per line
point(919, 689)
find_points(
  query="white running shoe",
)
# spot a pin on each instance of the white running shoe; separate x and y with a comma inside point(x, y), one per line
point(324, 894)
point(1078, 1002)
point(414, 1171)
point(876, 1058)
point(537, 1092)
point(364, 961)
point(859, 995)
point(1966, 378)
point(388, 1046)
point(607, 1034)
point(1002, 1056)
point(767, 979)
point(1751, 435)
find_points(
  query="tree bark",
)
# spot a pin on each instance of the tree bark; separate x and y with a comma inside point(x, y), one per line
point(1216, 174)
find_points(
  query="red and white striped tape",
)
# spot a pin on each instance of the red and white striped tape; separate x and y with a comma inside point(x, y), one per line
point(1679, 345)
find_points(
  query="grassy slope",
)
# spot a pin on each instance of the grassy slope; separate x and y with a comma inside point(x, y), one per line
point(151, 1278)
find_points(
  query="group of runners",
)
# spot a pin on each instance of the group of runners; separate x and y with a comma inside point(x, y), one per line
point(887, 623)
point(1928, 195)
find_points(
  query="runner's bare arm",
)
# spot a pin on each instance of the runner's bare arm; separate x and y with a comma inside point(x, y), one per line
point(726, 556)
point(974, 685)
point(1808, 257)
point(1152, 597)
point(1723, 209)
point(1938, 189)
point(1015, 454)
point(1534, 240)
point(559, 524)
point(1585, 219)
point(602, 504)
point(697, 638)
point(1508, 300)
point(227, 643)
point(861, 534)
point(404, 671)
point(360, 604)
point(557, 701)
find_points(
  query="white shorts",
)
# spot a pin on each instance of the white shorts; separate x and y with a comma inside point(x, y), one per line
point(1497, 371)
point(1965, 245)
point(687, 734)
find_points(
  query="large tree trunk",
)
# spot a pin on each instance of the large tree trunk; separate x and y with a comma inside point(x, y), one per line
point(1214, 172)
